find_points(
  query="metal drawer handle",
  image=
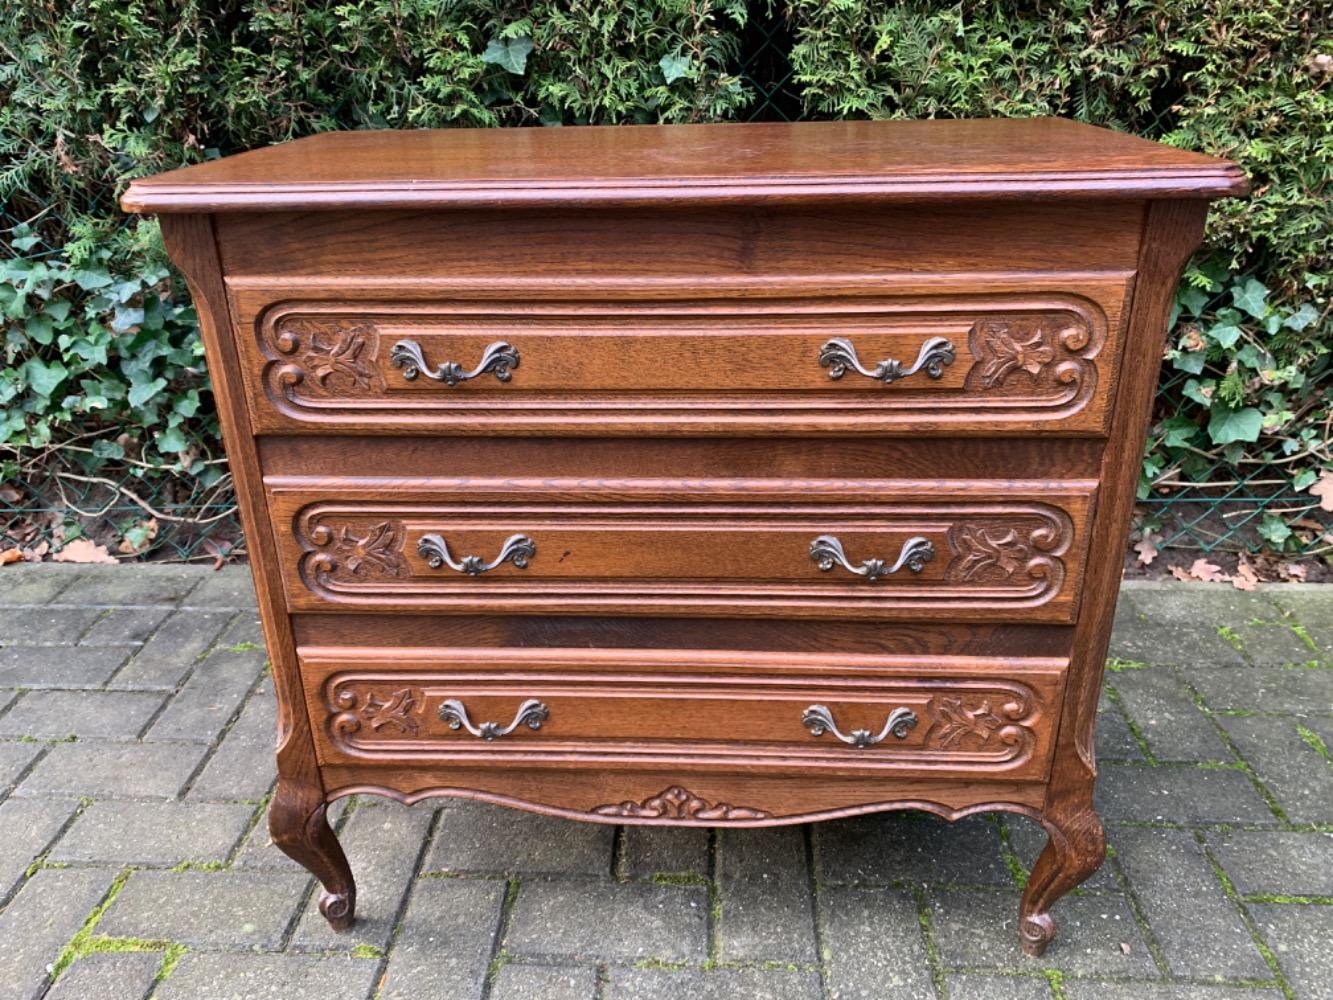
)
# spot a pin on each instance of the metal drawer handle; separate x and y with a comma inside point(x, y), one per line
point(827, 551)
point(517, 549)
point(819, 720)
point(838, 355)
point(531, 713)
point(498, 357)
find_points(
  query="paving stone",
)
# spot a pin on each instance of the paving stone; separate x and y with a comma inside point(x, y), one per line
point(164, 660)
point(1296, 773)
point(268, 977)
point(1272, 862)
point(713, 984)
point(1275, 643)
point(971, 986)
point(874, 945)
point(665, 850)
point(124, 626)
point(113, 770)
point(1201, 933)
point(1083, 989)
point(209, 699)
point(257, 725)
point(383, 841)
point(59, 666)
point(1166, 715)
point(45, 913)
point(584, 921)
point(36, 583)
point(135, 584)
point(1166, 603)
point(480, 837)
point(237, 772)
point(1299, 937)
point(57, 715)
point(153, 833)
point(45, 626)
point(1115, 741)
point(223, 909)
point(113, 976)
point(1027, 839)
point(1179, 795)
point(1292, 690)
point(1196, 643)
point(14, 759)
point(1124, 626)
point(765, 883)
point(228, 587)
point(545, 982)
point(26, 830)
point(977, 930)
point(1311, 608)
point(446, 940)
point(244, 633)
point(911, 847)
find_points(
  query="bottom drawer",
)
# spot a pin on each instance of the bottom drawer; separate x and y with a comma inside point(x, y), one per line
point(903, 715)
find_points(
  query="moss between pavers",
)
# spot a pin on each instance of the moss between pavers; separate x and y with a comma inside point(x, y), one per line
point(1115, 664)
point(78, 944)
point(1231, 637)
point(1316, 743)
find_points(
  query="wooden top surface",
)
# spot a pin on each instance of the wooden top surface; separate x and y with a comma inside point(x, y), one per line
point(683, 164)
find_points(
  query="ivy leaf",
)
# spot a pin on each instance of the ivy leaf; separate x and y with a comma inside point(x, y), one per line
point(44, 378)
point(1224, 335)
point(674, 66)
point(509, 53)
point(1226, 425)
point(1252, 296)
point(91, 279)
point(142, 392)
point(1274, 530)
point(1301, 318)
point(1191, 298)
point(172, 440)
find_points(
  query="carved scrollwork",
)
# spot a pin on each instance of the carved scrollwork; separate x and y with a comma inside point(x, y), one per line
point(349, 551)
point(1020, 551)
point(1045, 354)
point(394, 713)
point(678, 803)
point(969, 723)
point(326, 358)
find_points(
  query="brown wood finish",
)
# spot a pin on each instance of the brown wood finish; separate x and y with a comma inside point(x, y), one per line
point(671, 443)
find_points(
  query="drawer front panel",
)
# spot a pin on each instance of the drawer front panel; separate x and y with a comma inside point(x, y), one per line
point(959, 362)
point(984, 551)
point(567, 707)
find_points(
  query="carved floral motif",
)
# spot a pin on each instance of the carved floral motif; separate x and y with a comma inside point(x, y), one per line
point(1023, 354)
point(1019, 552)
point(326, 358)
point(677, 803)
point(394, 713)
point(363, 553)
point(956, 721)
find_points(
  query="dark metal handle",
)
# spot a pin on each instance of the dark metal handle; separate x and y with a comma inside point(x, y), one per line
point(838, 355)
point(531, 713)
point(498, 357)
point(517, 549)
point(827, 551)
point(819, 720)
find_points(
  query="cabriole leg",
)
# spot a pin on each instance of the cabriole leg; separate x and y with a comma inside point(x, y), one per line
point(1075, 849)
point(298, 826)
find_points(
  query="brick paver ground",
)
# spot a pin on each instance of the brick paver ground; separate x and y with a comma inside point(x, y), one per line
point(135, 765)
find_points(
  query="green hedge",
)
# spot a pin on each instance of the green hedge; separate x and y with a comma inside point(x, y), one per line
point(103, 373)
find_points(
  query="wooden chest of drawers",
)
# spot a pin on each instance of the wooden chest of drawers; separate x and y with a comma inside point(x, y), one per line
point(694, 475)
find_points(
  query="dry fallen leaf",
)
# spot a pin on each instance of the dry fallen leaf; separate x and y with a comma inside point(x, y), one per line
point(1245, 577)
point(10, 555)
point(1124, 947)
point(1293, 571)
point(1206, 572)
point(84, 550)
point(1323, 489)
point(35, 553)
point(139, 538)
point(1146, 549)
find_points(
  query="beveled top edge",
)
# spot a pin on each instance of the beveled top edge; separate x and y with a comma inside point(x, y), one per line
point(682, 164)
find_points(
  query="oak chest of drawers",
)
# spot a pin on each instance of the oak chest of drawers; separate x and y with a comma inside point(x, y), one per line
point(714, 475)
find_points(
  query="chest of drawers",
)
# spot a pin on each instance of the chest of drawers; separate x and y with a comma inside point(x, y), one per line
point(711, 475)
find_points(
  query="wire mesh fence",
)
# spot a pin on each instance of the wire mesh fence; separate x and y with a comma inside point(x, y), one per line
point(1213, 506)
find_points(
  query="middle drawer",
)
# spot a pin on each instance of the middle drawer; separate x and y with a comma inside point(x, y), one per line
point(982, 551)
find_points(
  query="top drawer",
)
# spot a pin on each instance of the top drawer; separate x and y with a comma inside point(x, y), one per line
point(975, 357)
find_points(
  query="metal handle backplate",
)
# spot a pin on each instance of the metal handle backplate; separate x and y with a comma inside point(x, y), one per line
point(498, 358)
point(517, 549)
point(819, 720)
point(827, 552)
point(839, 355)
point(532, 713)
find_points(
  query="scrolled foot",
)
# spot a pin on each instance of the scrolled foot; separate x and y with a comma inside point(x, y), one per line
point(1035, 932)
point(339, 909)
